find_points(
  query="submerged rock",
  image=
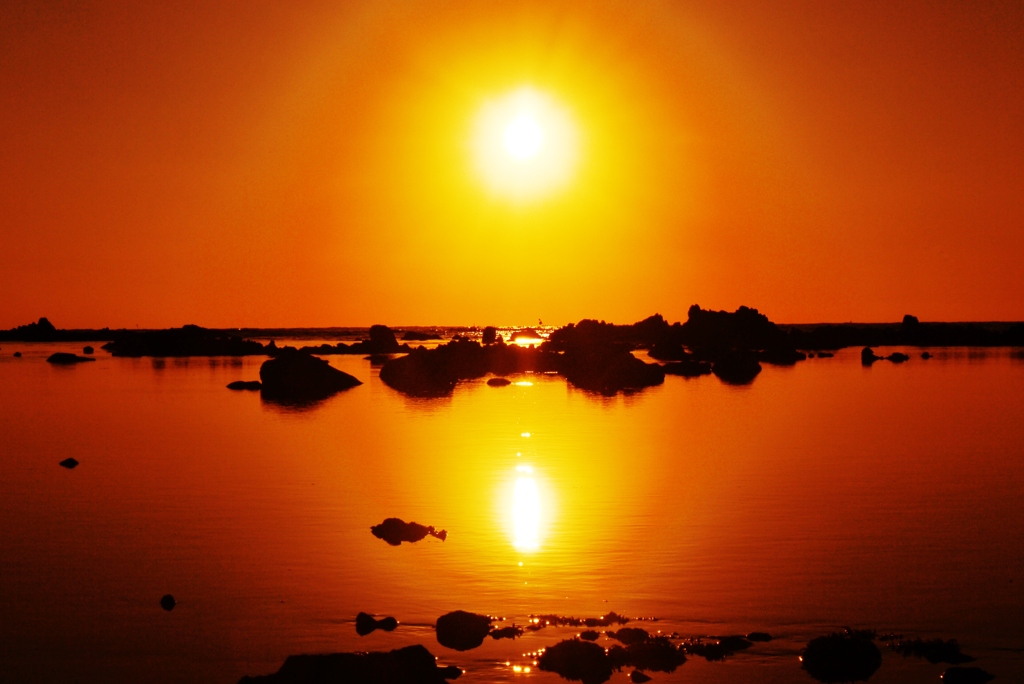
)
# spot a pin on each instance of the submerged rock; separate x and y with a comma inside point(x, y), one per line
point(245, 385)
point(366, 624)
point(933, 650)
point(69, 463)
point(168, 602)
point(656, 654)
point(416, 336)
point(462, 631)
point(395, 531)
point(512, 632)
point(409, 665)
point(294, 375)
point(966, 675)
point(64, 358)
point(842, 657)
point(499, 382)
point(577, 660)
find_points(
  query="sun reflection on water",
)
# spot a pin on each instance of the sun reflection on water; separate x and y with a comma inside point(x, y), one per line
point(526, 511)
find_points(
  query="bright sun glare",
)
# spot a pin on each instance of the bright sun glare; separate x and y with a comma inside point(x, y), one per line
point(524, 145)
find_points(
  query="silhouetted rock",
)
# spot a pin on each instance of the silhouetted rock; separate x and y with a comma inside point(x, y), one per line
point(293, 375)
point(846, 657)
point(966, 675)
point(608, 370)
point(638, 677)
point(17, 355)
point(64, 358)
point(366, 624)
point(688, 368)
point(168, 602)
point(395, 531)
point(499, 382)
point(188, 340)
point(781, 356)
point(245, 385)
point(933, 650)
point(868, 356)
point(409, 665)
point(42, 331)
point(490, 335)
point(87, 350)
point(578, 661)
point(656, 654)
point(716, 648)
point(416, 336)
point(462, 631)
point(606, 620)
point(630, 635)
point(589, 635)
point(512, 632)
point(383, 340)
point(69, 463)
point(897, 357)
point(926, 355)
point(736, 368)
point(526, 334)
point(759, 636)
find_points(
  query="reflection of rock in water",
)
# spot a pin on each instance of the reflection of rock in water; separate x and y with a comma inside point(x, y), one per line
point(367, 624)
point(412, 664)
point(736, 368)
point(848, 657)
point(933, 650)
point(245, 385)
point(966, 675)
point(395, 531)
point(461, 630)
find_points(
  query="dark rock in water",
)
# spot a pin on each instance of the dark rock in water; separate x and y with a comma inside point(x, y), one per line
point(64, 359)
point(499, 382)
point(608, 370)
point(294, 375)
point(781, 356)
point(188, 340)
point(717, 650)
point(657, 654)
point(512, 632)
point(736, 368)
point(759, 636)
point(926, 355)
point(611, 618)
point(526, 334)
point(366, 623)
point(409, 665)
point(638, 677)
point(577, 660)
point(69, 463)
point(868, 356)
point(909, 321)
point(966, 675)
point(934, 650)
point(87, 350)
point(245, 385)
point(630, 635)
point(462, 631)
point(17, 355)
point(734, 643)
point(825, 355)
point(490, 335)
point(416, 336)
point(687, 368)
point(395, 531)
point(168, 602)
point(589, 635)
point(847, 657)
point(897, 357)
point(810, 355)
point(383, 340)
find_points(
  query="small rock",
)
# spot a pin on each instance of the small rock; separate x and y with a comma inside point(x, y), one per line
point(87, 350)
point(366, 623)
point(847, 657)
point(868, 356)
point(589, 635)
point(69, 463)
point(897, 357)
point(499, 382)
point(638, 677)
point(168, 602)
point(395, 531)
point(926, 355)
point(64, 358)
point(245, 385)
point(490, 335)
point(17, 355)
point(759, 636)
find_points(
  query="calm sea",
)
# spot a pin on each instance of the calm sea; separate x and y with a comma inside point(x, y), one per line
point(820, 496)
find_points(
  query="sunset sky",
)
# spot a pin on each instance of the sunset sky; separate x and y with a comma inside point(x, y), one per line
point(340, 163)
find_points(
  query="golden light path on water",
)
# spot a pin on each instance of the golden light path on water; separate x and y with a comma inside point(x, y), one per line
point(526, 510)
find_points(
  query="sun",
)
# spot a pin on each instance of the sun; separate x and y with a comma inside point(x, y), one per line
point(525, 145)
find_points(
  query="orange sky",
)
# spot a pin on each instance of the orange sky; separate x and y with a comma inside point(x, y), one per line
point(306, 163)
